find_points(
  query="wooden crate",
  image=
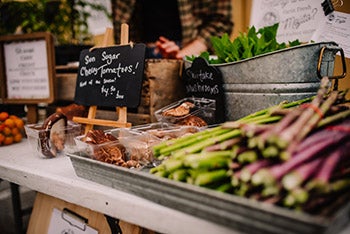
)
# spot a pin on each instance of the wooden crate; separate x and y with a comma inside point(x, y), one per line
point(65, 86)
point(162, 85)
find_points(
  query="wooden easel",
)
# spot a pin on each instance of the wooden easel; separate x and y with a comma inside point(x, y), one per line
point(90, 121)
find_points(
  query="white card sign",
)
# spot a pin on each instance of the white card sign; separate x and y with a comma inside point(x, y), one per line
point(336, 27)
point(27, 68)
point(298, 19)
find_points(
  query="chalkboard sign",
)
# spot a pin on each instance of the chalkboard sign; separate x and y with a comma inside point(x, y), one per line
point(203, 80)
point(27, 68)
point(111, 76)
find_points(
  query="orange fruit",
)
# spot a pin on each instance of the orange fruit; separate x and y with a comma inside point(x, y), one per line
point(3, 115)
point(6, 131)
point(8, 140)
point(10, 123)
point(2, 138)
point(19, 123)
point(17, 137)
point(14, 131)
point(2, 126)
point(13, 117)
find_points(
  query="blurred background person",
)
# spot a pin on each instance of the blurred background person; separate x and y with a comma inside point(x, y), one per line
point(173, 28)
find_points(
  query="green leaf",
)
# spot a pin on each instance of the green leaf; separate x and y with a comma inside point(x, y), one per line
point(294, 43)
point(245, 45)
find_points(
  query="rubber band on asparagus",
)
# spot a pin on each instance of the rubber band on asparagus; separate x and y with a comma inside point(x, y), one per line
point(316, 109)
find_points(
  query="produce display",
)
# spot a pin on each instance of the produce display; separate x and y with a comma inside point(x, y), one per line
point(246, 45)
point(294, 155)
point(11, 129)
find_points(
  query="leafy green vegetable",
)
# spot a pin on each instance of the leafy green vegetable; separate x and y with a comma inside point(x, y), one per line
point(246, 45)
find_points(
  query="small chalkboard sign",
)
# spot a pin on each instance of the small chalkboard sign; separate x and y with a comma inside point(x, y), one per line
point(203, 80)
point(111, 76)
point(27, 68)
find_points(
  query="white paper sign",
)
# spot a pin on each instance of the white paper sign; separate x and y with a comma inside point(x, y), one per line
point(335, 27)
point(27, 71)
point(64, 223)
point(298, 19)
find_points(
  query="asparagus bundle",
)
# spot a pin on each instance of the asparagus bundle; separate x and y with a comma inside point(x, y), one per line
point(198, 141)
point(272, 155)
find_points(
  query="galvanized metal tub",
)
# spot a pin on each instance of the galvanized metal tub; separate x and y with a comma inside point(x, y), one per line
point(266, 80)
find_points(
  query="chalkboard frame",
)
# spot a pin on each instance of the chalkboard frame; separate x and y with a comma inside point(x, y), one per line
point(130, 57)
point(50, 53)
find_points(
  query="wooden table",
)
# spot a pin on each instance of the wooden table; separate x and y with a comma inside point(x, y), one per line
point(56, 177)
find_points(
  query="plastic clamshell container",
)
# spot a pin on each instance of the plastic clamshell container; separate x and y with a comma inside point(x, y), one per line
point(203, 108)
point(92, 151)
point(87, 149)
point(152, 126)
point(173, 132)
point(136, 145)
point(139, 146)
point(65, 139)
point(139, 129)
point(137, 140)
point(158, 131)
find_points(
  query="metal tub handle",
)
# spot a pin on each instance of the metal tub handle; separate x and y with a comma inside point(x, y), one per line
point(335, 50)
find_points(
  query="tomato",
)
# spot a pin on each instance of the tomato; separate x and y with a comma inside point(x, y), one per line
point(10, 123)
point(3, 116)
point(8, 140)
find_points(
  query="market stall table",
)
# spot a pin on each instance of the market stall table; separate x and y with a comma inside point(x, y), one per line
point(56, 177)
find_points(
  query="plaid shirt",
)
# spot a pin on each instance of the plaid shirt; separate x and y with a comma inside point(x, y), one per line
point(200, 19)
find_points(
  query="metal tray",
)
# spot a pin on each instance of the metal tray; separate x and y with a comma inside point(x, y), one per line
point(238, 213)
